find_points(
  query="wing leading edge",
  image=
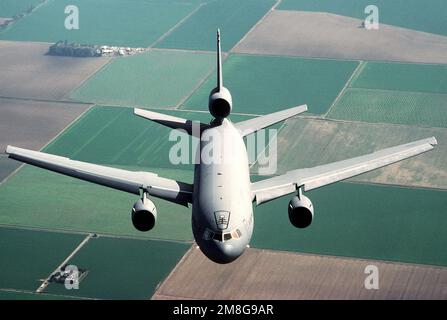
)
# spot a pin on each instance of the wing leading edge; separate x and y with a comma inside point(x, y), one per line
point(312, 178)
point(253, 125)
point(193, 128)
point(124, 180)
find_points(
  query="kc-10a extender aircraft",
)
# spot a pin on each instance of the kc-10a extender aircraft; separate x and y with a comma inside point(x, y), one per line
point(222, 193)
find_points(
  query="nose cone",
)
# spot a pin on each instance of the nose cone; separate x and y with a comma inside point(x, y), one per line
point(222, 252)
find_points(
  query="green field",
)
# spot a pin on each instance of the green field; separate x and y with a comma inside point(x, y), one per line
point(233, 17)
point(121, 268)
point(411, 108)
point(413, 14)
point(28, 256)
point(298, 147)
point(363, 221)
point(38, 198)
point(6, 166)
point(155, 79)
point(136, 23)
point(402, 77)
point(9, 8)
point(264, 84)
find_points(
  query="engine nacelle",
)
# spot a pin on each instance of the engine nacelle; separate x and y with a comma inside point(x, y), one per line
point(144, 214)
point(301, 211)
point(220, 103)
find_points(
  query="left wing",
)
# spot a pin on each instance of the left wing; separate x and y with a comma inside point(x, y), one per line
point(124, 180)
point(312, 178)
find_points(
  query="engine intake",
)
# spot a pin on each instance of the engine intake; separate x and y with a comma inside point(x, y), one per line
point(220, 103)
point(144, 214)
point(301, 211)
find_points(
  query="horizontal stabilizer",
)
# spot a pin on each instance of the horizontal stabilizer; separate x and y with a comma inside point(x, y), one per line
point(250, 126)
point(193, 128)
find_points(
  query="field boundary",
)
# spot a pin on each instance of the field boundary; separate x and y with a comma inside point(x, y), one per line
point(256, 24)
point(33, 293)
point(90, 76)
point(82, 232)
point(178, 24)
point(354, 74)
point(46, 282)
point(49, 142)
point(200, 83)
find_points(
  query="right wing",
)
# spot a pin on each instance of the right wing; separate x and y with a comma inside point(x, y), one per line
point(252, 125)
point(312, 178)
point(124, 180)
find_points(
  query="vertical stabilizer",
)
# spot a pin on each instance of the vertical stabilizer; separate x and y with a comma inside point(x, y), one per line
point(219, 62)
point(220, 101)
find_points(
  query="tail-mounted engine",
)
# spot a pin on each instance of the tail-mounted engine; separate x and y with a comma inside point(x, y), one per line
point(220, 102)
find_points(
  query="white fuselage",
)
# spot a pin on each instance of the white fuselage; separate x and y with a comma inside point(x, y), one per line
point(222, 214)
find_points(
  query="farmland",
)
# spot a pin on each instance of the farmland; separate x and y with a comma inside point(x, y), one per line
point(282, 82)
point(136, 81)
point(233, 17)
point(339, 140)
point(292, 33)
point(412, 14)
point(114, 264)
point(32, 124)
point(21, 62)
point(10, 8)
point(101, 22)
point(411, 108)
point(428, 78)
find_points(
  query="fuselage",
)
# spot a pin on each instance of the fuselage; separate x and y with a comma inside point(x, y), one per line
point(222, 213)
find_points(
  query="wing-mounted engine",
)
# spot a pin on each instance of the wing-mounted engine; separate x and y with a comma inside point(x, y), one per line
point(144, 214)
point(301, 211)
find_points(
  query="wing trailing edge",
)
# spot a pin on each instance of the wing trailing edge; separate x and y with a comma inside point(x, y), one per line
point(312, 178)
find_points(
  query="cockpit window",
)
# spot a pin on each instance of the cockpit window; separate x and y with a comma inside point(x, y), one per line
point(236, 234)
point(208, 235)
point(218, 236)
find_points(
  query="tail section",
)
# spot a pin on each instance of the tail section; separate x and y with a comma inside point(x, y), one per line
point(219, 62)
point(193, 128)
point(255, 124)
point(220, 101)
